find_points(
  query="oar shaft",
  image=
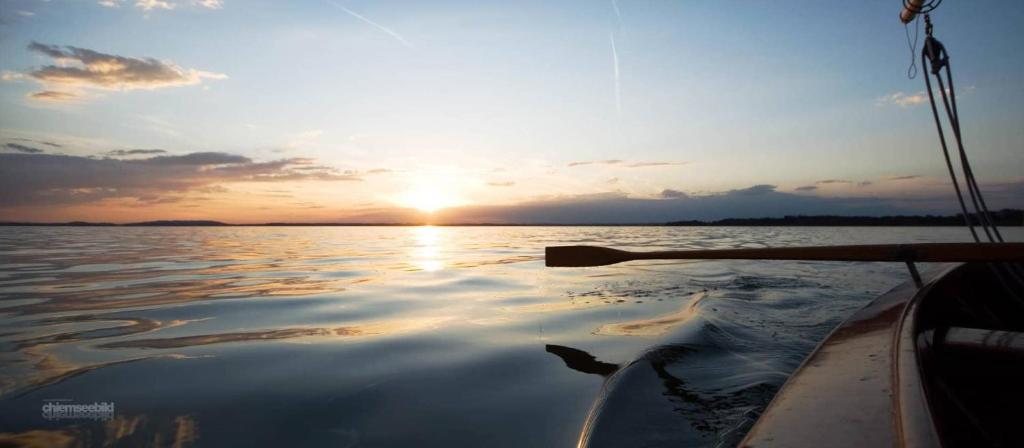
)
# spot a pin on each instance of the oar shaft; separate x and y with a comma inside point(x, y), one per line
point(874, 252)
point(929, 252)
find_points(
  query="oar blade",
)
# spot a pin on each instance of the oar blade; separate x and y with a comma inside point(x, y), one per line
point(582, 256)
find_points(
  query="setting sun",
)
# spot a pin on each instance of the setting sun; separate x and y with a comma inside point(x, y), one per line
point(428, 200)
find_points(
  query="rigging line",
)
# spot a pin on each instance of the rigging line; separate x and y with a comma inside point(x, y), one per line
point(942, 140)
point(912, 70)
point(972, 187)
point(968, 171)
point(963, 163)
point(938, 56)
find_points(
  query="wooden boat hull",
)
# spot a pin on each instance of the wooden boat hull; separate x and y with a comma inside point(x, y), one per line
point(936, 365)
point(848, 391)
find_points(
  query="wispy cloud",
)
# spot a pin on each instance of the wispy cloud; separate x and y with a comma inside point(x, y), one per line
point(78, 68)
point(625, 164)
point(134, 152)
point(669, 193)
point(48, 179)
point(383, 28)
point(150, 5)
point(909, 177)
point(145, 5)
point(618, 83)
point(596, 162)
point(618, 14)
point(41, 142)
point(55, 96)
point(209, 4)
point(806, 188)
point(833, 181)
point(507, 183)
point(649, 164)
point(756, 190)
point(22, 148)
point(904, 99)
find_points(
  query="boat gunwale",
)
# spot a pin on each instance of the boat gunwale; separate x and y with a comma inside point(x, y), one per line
point(915, 425)
point(903, 389)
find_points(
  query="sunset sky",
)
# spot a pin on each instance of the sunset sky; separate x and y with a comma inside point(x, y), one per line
point(492, 111)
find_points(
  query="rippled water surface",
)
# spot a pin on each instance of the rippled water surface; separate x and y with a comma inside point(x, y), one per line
point(402, 336)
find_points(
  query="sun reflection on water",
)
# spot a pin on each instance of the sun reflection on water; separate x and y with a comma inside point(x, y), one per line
point(427, 250)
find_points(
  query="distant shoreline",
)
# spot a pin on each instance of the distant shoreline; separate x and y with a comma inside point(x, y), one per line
point(1002, 218)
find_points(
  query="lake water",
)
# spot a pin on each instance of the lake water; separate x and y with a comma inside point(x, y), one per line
point(403, 336)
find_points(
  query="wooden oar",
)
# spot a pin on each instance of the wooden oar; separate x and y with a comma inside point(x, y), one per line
point(580, 256)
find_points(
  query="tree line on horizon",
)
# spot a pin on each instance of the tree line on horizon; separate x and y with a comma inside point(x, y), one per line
point(1002, 218)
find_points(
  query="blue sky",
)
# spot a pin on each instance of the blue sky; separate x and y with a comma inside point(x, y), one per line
point(402, 105)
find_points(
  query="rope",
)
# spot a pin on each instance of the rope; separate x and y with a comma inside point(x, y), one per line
point(942, 140)
point(935, 54)
point(972, 184)
point(963, 156)
point(912, 70)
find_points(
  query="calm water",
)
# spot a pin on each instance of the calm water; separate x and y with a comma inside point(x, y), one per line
point(402, 336)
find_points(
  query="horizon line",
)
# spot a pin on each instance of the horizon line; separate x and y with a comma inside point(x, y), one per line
point(1011, 217)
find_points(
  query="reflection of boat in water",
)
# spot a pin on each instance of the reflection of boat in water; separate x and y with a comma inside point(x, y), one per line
point(936, 361)
point(641, 398)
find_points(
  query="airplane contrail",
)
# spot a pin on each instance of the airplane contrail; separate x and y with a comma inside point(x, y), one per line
point(383, 28)
point(618, 14)
point(615, 67)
